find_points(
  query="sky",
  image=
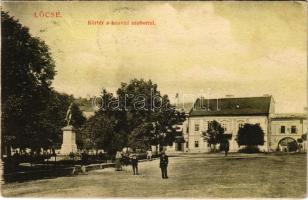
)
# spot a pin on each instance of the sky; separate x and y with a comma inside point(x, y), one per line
point(195, 48)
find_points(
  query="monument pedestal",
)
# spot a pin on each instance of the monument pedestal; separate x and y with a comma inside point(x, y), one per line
point(69, 141)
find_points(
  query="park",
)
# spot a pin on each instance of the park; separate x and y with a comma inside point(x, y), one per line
point(121, 138)
point(190, 175)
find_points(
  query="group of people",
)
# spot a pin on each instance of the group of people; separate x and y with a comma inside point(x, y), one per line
point(124, 159)
point(163, 164)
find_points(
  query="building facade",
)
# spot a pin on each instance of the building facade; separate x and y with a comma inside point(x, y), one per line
point(232, 113)
point(285, 128)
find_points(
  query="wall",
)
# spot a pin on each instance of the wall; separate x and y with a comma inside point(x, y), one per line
point(276, 135)
point(231, 125)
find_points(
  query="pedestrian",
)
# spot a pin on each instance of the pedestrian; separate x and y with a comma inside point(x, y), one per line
point(126, 159)
point(118, 159)
point(100, 156)
point(226, 148)
point(84, 161)
point(163, 164)
point(134, 164)
point(149, 154)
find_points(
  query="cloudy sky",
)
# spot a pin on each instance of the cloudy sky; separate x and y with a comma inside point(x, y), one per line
point(239, 48)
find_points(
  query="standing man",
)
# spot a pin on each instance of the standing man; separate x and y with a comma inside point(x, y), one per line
point(163, 164)
point(135, 164)
point(226, 147)
point(118, 159)
point(84, 161)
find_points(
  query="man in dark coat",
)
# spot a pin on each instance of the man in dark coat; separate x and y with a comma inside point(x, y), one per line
point(135, 164)
point(163, 164)
point(226, 147)
point(84, 158)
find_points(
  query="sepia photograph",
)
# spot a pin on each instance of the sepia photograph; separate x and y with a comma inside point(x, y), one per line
point(154, 99)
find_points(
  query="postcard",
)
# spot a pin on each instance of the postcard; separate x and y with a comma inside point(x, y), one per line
point(154, 99)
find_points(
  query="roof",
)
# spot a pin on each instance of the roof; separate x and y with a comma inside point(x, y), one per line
point(232, 106)
point(280, 116)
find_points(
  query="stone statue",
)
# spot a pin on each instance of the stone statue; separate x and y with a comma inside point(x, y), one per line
point(69, 114)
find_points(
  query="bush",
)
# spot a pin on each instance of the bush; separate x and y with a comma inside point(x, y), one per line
point(292, 146)
point(72, 155)
point(249, 149)
point(250, 135)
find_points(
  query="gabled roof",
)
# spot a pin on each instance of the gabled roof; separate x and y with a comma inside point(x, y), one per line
point(232, 106)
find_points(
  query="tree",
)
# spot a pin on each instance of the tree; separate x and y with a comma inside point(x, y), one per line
point(214, 134)
point(27, 71)
point(140, 137)
point(250, 135)
point(292, 146)
point(54, 118)
point(149, 112)
point(99, 132)
point(143, 117)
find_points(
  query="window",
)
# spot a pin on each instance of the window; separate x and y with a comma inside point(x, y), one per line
point(197, 127)
point(196, 144)
point(187, 129)
point(293, 129)
point(282, 129)
point(186, 144)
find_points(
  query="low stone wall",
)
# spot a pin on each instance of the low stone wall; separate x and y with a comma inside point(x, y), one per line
point(50, 173)
point(92, 167)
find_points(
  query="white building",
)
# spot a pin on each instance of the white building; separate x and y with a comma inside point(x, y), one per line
point(231, 113)
point(287, 127)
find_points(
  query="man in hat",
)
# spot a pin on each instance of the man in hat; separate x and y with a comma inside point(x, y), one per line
point(163, 164)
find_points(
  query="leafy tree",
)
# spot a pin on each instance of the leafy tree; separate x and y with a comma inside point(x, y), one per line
point(27, 70)
point(143, 117)
point(250, 135)
point(149, 112)
point(141, 137)
point(292, 146)
point(32, 112)
point(99, 132)
point(214, 134)
point(54, 117)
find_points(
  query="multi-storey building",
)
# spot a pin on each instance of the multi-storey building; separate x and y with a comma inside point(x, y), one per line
point(232, 113)
point(286, 128)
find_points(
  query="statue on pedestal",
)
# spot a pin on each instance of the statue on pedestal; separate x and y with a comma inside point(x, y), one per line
point(69, 135)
